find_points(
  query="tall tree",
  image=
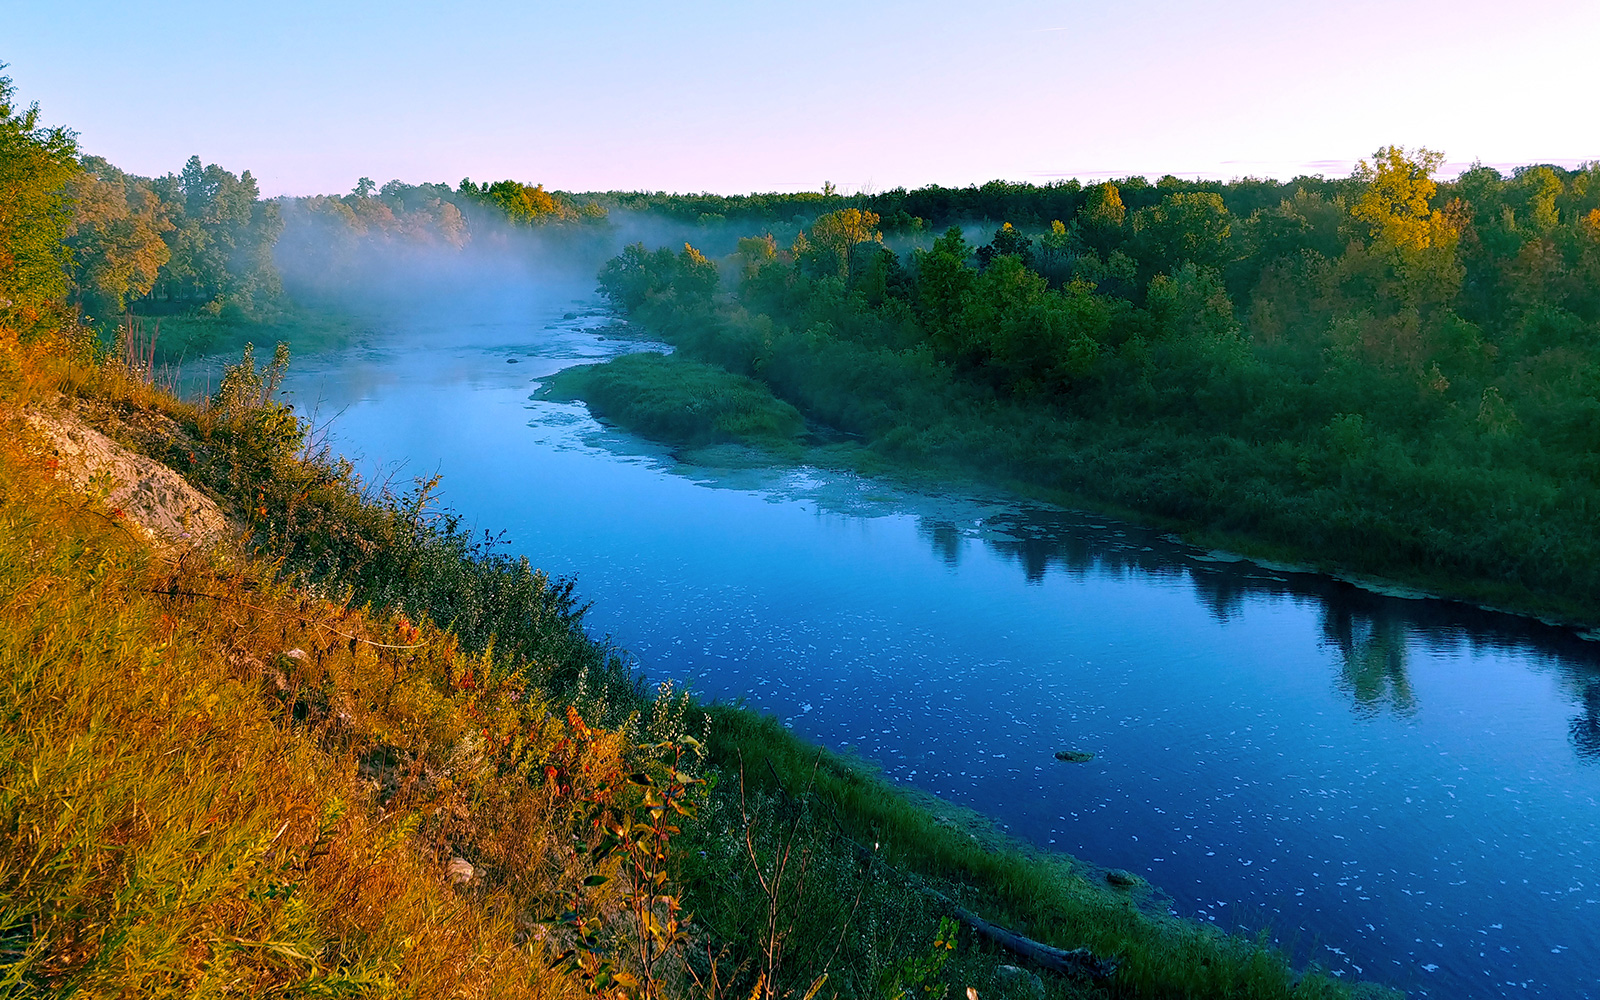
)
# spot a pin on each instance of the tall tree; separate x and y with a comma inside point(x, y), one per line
point(835, 241)
point(1187, 227)
point(116, 235)
point(221, 240)
point(35, 211)
point(1411, 246)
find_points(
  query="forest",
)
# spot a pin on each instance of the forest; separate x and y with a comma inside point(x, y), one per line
point(1386, 374)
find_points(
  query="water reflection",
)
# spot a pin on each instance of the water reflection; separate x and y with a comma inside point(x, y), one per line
point(1585, 728)
point(1373, 636)
point(1372, 661)
point(946, 539)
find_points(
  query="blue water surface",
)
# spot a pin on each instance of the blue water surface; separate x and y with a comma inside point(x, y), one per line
point(1404, 791)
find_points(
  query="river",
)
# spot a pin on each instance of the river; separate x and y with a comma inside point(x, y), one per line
point(1405, 791)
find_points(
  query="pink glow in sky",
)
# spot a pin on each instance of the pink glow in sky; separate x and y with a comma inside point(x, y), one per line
point(736, 97)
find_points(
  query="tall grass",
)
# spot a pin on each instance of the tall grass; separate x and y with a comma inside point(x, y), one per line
point(213, 784)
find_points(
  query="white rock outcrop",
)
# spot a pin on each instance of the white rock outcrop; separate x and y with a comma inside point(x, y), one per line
point(156, 502)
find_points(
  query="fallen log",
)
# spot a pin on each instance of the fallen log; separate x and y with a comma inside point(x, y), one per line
point(1080, 962)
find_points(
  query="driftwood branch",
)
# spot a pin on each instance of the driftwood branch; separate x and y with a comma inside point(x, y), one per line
point(1080, 962)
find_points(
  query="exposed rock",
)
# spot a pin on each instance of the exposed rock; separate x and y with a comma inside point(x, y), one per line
point(460, 871)
point(155, 502)
point(1122, 879)
point(1074, 756)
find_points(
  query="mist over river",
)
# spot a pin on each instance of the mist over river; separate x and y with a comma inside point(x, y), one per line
point(1405, 791)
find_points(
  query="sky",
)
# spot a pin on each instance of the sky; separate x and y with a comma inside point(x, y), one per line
point(734, 97)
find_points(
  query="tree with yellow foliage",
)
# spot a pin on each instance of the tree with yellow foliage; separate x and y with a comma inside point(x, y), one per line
point(835, 237)
point(116, 235)
point(1411, 245)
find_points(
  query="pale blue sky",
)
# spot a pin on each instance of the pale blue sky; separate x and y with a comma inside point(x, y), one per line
point(735, 97)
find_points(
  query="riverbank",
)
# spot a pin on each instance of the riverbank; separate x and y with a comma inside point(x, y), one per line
point(499, 621)
point(934, 439)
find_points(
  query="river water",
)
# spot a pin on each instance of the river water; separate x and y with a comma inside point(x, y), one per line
point(1405, 791)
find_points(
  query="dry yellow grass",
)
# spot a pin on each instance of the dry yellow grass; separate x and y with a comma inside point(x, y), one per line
point(213, 785)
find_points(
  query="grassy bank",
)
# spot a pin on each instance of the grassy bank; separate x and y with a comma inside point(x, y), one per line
point(276, 766)
point(687, 404)
point(218, 784)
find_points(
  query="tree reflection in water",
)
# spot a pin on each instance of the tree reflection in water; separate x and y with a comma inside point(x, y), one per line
point(1585, 728)
point(946, 539)
point(1372, 654)
point(1373, 634)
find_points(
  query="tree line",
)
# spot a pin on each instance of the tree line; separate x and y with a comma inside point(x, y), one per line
point(77, 233)
point(1390, 370)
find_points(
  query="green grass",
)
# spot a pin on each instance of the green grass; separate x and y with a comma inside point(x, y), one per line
point(191, 336)
point(688, 404)
point(861, 922)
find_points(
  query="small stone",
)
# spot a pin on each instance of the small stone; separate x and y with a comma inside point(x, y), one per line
point(1122, 879)
point(511, 361)
point(460, 871)
point(296, 654)
point(1074, 756)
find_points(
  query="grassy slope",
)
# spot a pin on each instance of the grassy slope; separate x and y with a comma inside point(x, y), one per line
point(244, 820)
point(183, 806)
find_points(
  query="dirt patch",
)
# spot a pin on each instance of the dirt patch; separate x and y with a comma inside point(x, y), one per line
point(156, 502)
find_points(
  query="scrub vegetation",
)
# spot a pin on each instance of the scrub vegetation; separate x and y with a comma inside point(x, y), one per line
point(1384, 374)
point(363, 753)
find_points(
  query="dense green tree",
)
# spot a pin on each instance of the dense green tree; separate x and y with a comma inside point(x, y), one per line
point(1008, 241)
point(632, 277)
point(1186, 227)
point(221, 242)
point(943, 280)
point(116, 235)
point(1023, 337)
point(36, 164)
